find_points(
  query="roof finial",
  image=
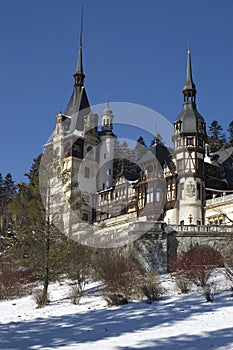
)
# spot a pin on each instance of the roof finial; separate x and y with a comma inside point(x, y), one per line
point(107, 102)
point(189, 41)
point(81, 28)
point(189, 89)
point(189, 68)
point(79, 75)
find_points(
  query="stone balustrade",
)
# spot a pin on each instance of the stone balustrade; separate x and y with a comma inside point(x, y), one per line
point(217, 200)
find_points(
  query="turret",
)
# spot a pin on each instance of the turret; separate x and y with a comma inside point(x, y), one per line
point(189, 151)
point(106, 154)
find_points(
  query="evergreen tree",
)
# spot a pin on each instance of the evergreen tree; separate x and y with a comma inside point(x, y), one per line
point(216, 137)
point(124, 158)
point(140, 148)
point(126, 153)
point(8, 186)
point(230, 133)
point(7, 191)
point(38, 246)
point(117, 163)
point(1, 194)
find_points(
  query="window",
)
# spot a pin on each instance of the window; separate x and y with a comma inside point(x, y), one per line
point(85, 216)
point(200, 142)
point(182, 190)
point(90, 149)
point(189, 141)
point(178, 142)
point(109, 172)
point(179, 164)
point(149, 195)
point(86, 172)
point(198, 191)
point(105, 156)
point(173, 192)
point(169, 193)
point(157, 195)
point(59, 172)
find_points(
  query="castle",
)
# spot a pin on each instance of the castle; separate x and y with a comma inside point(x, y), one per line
point(183, 186)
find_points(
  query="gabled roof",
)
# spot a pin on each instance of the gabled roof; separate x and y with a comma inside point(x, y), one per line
point(225, 156)
point(129, 176)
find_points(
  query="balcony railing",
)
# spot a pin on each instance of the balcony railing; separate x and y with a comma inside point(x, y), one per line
point(218, 200)
point(202, 228)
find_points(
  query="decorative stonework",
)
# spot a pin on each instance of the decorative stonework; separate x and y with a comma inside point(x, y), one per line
point(190, 189)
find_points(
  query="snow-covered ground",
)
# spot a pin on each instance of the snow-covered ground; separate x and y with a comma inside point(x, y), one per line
point(175, 322)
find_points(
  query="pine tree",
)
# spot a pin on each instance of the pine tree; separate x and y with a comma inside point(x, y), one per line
point(216, 137)
point(230, 133)
point(38, 246)
point(7, 191)
point(117, 163)
point(1, 194)
point(140, 148)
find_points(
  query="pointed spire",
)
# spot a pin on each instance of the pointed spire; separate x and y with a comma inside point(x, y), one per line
point(189, 89)
point(79, 74)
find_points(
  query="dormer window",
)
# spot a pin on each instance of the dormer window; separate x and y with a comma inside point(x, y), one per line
point(178, 142)
point(190, 141)
point(200, 142)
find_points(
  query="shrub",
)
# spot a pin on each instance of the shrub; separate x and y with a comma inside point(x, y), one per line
point(15, 283)
point(197, 266)
point(119, 274)
point(41, 298)
point(75, 294)
point(77, 268)
point(150, 286)
point(115, 299)
point(228, 263)
point(182, 282)
point(208, 292)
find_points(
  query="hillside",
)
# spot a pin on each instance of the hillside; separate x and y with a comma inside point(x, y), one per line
point(175, 322)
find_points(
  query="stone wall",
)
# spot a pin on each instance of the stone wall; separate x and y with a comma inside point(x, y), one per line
point(159, 247)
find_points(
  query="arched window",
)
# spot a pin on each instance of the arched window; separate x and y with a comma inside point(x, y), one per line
point(89, 148)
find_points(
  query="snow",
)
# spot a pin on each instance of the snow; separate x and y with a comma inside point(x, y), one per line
point(176, 321)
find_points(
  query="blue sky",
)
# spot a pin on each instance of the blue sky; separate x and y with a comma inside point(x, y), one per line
point(134, 51)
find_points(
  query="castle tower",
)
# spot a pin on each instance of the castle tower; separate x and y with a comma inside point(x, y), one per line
point(79, 149)
point(189, 152)
point(106, 154)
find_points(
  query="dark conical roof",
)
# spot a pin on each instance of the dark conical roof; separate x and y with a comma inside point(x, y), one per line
point(78, 107)
point(79, 100)
point(190, 119)
point(189, 84)
point(79, 69)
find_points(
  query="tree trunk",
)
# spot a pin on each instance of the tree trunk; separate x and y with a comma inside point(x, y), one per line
point(46, 266)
